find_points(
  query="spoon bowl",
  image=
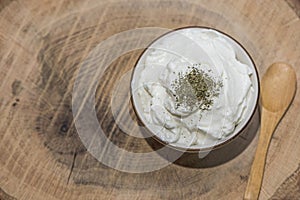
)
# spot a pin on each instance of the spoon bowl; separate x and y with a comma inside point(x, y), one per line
point(278, 87)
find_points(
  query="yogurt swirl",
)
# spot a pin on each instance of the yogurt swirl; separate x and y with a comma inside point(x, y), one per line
point(205, 50)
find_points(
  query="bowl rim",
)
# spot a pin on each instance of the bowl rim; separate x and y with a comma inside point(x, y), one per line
point(206, 149)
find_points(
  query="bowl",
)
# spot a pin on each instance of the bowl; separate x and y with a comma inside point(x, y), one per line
point(241, 54)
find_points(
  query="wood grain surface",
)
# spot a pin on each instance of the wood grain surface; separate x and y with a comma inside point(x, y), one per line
point(43, 44)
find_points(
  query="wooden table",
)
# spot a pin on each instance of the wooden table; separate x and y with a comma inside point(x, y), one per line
point(43, 44)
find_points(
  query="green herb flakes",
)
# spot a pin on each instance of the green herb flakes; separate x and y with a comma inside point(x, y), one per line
point(195, 88)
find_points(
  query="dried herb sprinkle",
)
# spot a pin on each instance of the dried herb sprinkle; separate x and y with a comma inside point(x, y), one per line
point(195, 88)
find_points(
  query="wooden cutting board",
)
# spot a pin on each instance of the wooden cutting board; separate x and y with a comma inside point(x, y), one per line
point(43, 44)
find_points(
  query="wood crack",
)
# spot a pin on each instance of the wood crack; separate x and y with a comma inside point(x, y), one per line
point(295, 6)
point(72, 166)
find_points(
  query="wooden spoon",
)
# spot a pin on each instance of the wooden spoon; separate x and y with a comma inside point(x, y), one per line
point(278, 88)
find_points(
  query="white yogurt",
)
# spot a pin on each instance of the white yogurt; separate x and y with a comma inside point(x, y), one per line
point(159, 66)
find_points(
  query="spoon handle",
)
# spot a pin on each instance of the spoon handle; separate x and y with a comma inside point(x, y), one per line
point(269, 121)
